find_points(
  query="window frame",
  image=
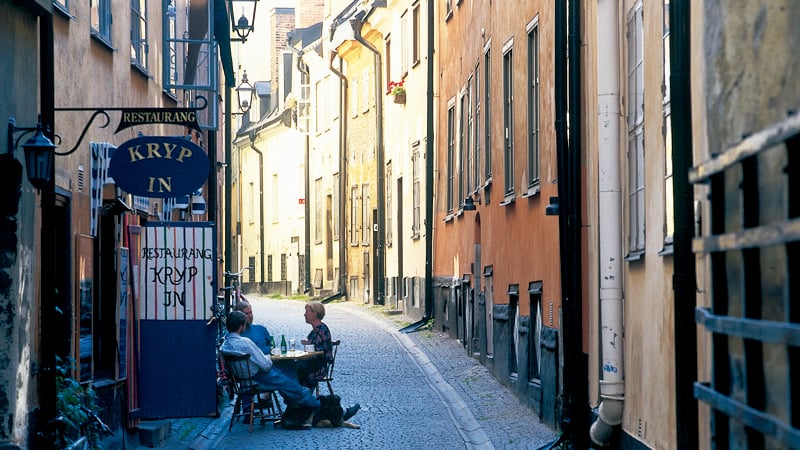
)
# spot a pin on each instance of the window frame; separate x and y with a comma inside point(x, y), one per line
point(534, 131)
point(140, 47)
point(635, 132)
point(508, 123)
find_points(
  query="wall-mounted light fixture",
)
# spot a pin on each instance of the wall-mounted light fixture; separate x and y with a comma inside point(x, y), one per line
point(244, 24)
point(552, 208)
point(469, 204)
point(245, 93)
point(39, 152)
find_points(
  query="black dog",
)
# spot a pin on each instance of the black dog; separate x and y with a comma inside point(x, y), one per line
point(329, 415)
point(330, 409)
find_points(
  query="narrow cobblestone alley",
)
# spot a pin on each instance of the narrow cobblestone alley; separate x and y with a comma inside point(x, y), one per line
point(417, 390)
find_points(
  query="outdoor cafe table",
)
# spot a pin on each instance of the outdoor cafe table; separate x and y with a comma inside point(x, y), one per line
point(290, 362)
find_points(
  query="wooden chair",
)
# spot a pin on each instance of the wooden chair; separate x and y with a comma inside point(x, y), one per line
point(264, 403)
point(329, 369)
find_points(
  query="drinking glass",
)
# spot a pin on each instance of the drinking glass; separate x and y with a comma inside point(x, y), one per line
point(291, 345)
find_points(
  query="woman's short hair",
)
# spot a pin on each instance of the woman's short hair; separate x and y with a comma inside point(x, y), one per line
point(318, 309)
point(235, 321)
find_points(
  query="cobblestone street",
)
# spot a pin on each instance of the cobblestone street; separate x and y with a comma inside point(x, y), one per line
point(417, 390)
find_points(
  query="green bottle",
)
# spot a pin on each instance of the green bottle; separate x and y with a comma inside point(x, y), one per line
point(283, 344)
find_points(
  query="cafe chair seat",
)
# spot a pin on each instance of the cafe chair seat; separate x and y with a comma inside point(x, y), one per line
point(328, 378)
point(263, 403)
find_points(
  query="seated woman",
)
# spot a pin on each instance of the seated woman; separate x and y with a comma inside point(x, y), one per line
point(320, 338)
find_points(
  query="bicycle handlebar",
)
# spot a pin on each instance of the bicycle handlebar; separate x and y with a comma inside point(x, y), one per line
point(236, 274)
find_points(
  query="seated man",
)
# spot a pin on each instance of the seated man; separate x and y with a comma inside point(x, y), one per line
point(257, 333)
point(270, 377)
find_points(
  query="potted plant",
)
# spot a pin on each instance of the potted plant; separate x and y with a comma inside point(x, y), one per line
point(398, 91)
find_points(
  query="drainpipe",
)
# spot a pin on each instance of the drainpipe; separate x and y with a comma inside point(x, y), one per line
point(342, 176)
point(685, 270)
point(379, 256)
point(251, 140)
point(612, 382)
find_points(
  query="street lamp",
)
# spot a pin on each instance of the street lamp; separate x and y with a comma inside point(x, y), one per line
point(245, 93)
point(244, 24)
point(39, 152)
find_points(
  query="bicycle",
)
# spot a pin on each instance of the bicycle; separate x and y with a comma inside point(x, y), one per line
point(223, 306)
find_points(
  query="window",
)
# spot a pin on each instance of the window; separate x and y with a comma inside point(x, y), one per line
point(487, 116)
point(319, 202)
point(335, 215)
point(139, 46)
point(451, 119)
point(508, 119)
point(354, 215)
point(170, 52)
point(416, 195)
point(269, 268)
point(635, 124)
point(366, 212)
point(387, 50)
point(462, 151)
point(283, 267)
point(477, 156)
point(62, 5)
point(389, 209)
point(468, 145)
point(100, 12)
point(405, 43)
point(533, 108)
point(415, 34)
point(669, 205)
point(251, 264)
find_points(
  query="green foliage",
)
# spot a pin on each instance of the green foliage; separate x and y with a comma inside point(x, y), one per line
point(74, 402)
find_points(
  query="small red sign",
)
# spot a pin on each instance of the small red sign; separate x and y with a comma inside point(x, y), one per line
point(301, 201)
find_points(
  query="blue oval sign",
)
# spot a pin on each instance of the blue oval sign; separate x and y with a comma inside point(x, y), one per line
point(159, 166)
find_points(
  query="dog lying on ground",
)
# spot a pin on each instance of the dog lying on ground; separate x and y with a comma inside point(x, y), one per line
point(329, 415)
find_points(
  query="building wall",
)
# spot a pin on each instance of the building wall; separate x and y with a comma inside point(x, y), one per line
point(362, 171)
point(18, 275)
point(505, 244)
point(404, 126)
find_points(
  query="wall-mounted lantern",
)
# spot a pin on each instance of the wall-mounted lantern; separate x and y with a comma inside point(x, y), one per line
point(39, 152)
point(242, 25)
point(245, 93)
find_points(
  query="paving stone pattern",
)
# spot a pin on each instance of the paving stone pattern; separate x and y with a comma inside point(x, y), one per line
point(417, 390)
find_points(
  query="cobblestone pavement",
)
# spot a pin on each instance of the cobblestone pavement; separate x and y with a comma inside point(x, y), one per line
point(417, 390)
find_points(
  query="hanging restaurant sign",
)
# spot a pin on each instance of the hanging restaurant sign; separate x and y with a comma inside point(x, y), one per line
point(131, 117)
point(159, 166)
point(186, 117)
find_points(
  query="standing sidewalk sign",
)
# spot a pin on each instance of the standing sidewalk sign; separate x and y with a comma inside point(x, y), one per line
point(177, 266)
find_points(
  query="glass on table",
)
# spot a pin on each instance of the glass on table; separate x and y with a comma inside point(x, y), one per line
point(291, 346)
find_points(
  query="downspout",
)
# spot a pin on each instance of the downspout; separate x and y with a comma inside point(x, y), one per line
point(342, 175)
point(429, 170)
point(685, 270)
point(612, 382)
point(567, 94)
point(380, 182)
point(251, 140)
